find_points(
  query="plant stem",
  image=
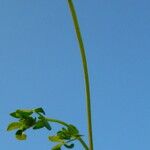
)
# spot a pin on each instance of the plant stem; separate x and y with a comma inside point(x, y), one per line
point(67, 125)
point(57, 121)
point(85, 69)
point(83, 143)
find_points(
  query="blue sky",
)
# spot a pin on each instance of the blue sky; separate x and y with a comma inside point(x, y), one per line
point(40, 65)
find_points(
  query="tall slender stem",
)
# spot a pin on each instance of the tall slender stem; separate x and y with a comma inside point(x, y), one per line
point(85, 69)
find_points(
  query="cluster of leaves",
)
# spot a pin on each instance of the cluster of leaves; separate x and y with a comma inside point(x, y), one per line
point(65, 137)
point(27, 120)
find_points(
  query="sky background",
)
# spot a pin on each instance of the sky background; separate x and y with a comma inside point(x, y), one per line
point(40, 65)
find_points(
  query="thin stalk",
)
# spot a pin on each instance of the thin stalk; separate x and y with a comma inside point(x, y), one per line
point(83, 143)
point(85, 69)
point(57, 121)
point(65, 124)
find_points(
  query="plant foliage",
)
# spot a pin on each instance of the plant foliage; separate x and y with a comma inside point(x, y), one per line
point(36, 119)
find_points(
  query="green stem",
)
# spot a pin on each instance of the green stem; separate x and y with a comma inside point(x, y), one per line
point(85, 68)
point(83, 143)
point(65, 124)
point(57, 121)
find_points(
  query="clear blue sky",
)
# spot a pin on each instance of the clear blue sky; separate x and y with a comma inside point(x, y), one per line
point(40, 65)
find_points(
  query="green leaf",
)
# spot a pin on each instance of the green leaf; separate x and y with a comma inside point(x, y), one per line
point(47, 125)
point(20, 135)
point(73, 130)
point(15, 115)
point(24, 113)
point(39, 110)
point(45, 122)
point(39, 124)
point(57, 147)
point(69, 146)
point(28, 122)
point(13, 126)
point(55, 138)
point(21, 113)
point(64, 134)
